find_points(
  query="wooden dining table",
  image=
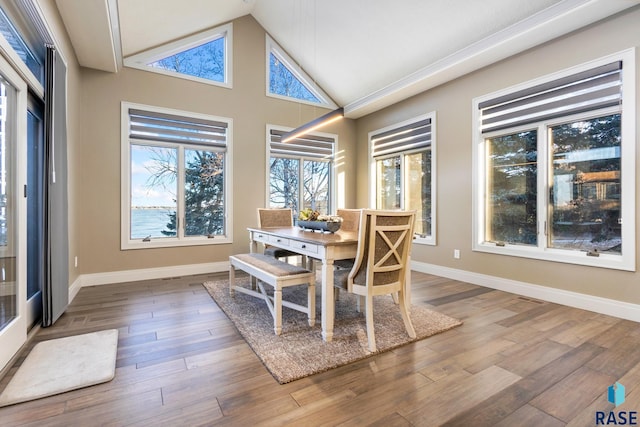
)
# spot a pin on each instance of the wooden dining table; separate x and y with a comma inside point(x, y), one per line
point(322, 246)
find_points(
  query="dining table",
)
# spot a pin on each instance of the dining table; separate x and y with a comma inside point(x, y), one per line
point(325, 247)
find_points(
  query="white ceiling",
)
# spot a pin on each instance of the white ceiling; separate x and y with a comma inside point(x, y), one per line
point(366, 54)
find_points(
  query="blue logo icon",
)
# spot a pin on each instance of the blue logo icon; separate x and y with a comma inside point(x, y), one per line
point(616, 394)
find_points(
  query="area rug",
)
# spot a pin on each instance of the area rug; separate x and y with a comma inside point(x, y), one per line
point(63, 364)
point(300, 351)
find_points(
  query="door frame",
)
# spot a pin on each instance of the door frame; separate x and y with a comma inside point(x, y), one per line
point(14, 335)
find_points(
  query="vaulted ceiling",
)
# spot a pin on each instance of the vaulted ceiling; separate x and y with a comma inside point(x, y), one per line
point(366, 54)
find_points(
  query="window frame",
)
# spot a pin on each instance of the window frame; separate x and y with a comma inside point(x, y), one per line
point(126, 243)
point(273, 48)
point(142, 59)
point(373, 178)
point(543, 250)
point(332, 179)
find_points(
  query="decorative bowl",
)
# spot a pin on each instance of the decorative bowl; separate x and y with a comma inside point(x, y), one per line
point(330, 226)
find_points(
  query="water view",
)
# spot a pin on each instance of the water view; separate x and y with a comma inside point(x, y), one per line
point(149, 221)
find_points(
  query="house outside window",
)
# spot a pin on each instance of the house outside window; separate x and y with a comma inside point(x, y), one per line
point(205, 57)
point(555, 162)
point(301, 171)
point(403, 171)
point(176, 173)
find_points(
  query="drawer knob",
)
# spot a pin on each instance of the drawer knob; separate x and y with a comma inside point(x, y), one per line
point(304, 246)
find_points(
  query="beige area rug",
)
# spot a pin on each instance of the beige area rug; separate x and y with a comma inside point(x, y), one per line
point(63, 364)
point(300, 350)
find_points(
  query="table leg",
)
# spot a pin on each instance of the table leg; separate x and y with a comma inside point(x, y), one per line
point(407, 287)
point(328, 303)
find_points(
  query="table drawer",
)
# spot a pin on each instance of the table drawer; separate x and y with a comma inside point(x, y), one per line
point(306, 247)
point(278, 241)
point(260, 237)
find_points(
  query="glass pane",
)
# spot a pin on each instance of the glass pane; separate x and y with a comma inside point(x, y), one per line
point(8, 226)
point(18, 44)
point(204, 193)
point(153, 191)
point(35, 208)
point(419, 190)
point(315, 184)
point(512, 168)
point(283, 82)
point(388, 183)
point(205, 61)
point(585, 196)
point(283, 183)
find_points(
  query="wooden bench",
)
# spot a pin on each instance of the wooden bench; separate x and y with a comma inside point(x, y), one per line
point(276, 273)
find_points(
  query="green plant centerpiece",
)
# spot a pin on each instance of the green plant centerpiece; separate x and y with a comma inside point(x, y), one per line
point(310, 219)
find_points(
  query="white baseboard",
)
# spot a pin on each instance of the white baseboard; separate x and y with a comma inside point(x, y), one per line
point(144, 274)
point(615, 308)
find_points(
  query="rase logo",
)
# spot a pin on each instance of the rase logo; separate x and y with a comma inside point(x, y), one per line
point(615, 395)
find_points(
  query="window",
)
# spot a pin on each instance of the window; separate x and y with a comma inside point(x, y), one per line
point(301, 171)
point(24, 39)
point(403, 165)
point(204, 57)
point(555, 165)
point(286, 80)
point(175, 185)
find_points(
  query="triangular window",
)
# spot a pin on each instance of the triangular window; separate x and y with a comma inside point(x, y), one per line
point(203, 57)
point(285, 79)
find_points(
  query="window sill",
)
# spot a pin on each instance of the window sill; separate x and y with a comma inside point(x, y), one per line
point(160, 242)
point(615, 262)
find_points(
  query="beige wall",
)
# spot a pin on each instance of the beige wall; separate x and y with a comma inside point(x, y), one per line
point(97, 159)
point(453, 104)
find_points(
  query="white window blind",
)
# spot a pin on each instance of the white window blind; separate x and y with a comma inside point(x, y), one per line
point(408, 137)
point(310, 146)
point(156, 126)
point(589, 90)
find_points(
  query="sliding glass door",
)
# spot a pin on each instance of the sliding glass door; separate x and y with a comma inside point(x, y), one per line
point(13, 296)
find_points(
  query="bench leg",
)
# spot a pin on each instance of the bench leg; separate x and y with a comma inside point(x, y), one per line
point(232, 280)
point(277, 309)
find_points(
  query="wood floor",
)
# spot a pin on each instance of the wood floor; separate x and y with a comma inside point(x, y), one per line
point(514, 362)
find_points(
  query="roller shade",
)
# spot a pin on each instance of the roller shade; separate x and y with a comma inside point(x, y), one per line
point(590, 90)
point(310, 146)
point(156, 126)
point(412, 136)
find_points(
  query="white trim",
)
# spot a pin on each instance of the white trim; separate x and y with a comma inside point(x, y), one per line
point(627, 260)
point(610, 307)
point(298, 73)
point(125, 184)
point(140, 60)
point(123, 276)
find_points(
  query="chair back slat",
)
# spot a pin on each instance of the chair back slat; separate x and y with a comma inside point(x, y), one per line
point(277, 217)
point(384, 248)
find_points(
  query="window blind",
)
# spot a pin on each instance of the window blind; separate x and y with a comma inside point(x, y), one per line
point(403, 138)
point(311, 146)
point(589, 90)
point(156, 126)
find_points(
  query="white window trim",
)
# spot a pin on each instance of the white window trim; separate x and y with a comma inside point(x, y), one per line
point(627, 260)
point(298, 72)
point(140, 60)
point(332, 172)
point(427, 240)
point(126, 242)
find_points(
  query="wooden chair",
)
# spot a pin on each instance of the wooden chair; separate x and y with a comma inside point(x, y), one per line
point(350, 222)
point(277, 217)
point(381, 263)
